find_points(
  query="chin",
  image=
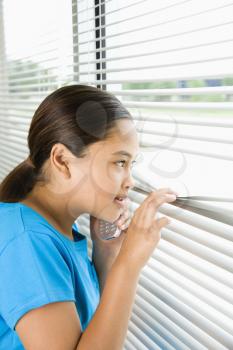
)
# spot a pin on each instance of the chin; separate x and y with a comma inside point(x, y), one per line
point(111, 216)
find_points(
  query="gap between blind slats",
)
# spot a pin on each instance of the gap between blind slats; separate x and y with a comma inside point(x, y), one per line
point(149, 146)
point(153, 335)
point(14, 101)
point(182, 120)
point(147, 54)
point(39, 85)
point(11, 121)
point(191, 272)
point(37, 47)
point(13, 153)
point(222, 324)
point(173, 20)
point(134, 17)
point(200, 250)
point(194, 289)
point(14, 140)
point(37, 77)
point(17, 108)
point(35, 70)
point(24, 94)
point(28, 71)
point(166, 65)
point(153, 53)
point(171, 317)
point(14, 66)
point(188, 306)
point(183, 340)
point(142, 339)
point(106, 13)
point(92, 7)
point(220, 106)
point(26, 64)
point(158, 303)
point(168, 36)
point(184, 136)
point(136, 343)
point(211, 241)
point(197, 263)
point(227, 90)
point(153, 80)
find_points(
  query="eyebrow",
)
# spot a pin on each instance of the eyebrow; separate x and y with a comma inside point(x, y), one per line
point(124, 153)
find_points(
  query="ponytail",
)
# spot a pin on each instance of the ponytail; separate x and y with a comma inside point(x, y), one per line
point(19, 182)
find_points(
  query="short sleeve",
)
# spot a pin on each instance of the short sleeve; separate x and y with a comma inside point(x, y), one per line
point(33, 272)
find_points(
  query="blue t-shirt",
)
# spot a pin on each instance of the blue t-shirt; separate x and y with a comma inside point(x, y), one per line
point(39, 265)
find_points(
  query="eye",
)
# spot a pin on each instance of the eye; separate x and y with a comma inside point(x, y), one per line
point(121, 161)
point(124, 161)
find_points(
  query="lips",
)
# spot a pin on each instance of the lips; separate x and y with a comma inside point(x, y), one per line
point(121, 201)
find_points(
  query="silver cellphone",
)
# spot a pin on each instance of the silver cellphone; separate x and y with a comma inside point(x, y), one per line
point(108, 230)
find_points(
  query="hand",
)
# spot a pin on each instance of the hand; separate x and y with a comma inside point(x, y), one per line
point(143, 233)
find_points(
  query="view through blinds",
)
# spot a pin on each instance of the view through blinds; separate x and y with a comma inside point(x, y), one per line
point(170, 63)
point(36, 57)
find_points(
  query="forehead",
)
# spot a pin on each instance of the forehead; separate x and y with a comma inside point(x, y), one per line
point(122, 138)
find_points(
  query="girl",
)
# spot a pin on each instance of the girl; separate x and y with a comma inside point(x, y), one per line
point(82, 144)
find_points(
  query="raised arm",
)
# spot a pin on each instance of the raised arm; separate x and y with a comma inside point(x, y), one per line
point(58, 327)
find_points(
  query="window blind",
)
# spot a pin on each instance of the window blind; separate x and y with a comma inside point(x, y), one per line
point(170, 63)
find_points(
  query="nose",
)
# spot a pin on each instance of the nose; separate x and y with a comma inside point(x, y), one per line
point(129, 182)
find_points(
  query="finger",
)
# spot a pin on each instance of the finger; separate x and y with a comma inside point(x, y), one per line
point(155, 194)
point(126, 224)
point(149, 212)
point(123, 219)
point(157, 226)
point(145, 213)
point(157, 200)
point(162, 222)
point(124, 216)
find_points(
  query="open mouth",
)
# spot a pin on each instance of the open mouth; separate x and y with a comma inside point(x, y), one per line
point(120, 201)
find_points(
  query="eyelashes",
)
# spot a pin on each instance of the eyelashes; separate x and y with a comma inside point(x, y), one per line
point(124, 162)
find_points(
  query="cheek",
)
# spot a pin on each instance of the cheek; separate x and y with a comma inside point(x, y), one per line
point(107, 178)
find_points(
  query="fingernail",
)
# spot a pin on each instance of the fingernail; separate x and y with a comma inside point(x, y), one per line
point(171, 196)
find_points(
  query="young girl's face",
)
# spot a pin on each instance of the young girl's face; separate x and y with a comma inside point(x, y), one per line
point(106, 173)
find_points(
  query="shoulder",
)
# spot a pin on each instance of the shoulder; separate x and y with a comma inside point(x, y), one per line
point(21, 223)
point(11, 223)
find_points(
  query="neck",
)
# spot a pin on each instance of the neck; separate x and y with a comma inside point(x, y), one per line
point(53, 208)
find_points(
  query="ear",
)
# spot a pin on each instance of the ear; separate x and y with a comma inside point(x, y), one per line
point(59, 159)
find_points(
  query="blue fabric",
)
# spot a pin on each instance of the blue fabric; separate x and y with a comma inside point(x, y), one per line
point(40, 265)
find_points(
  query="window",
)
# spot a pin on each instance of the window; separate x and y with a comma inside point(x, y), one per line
point(170, 63)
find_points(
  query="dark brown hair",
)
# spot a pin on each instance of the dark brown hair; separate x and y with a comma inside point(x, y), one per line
point(76, 116)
